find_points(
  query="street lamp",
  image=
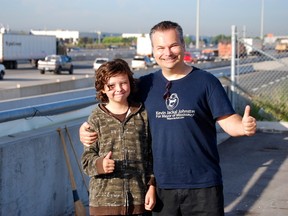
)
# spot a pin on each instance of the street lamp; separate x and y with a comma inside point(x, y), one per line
point(99, 36)
point(197, 23)
point(262, 19)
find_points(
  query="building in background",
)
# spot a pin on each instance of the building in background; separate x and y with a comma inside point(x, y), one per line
point(67, 36)
point(73, 37)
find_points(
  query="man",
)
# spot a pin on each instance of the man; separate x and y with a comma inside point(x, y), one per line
point(183, 104)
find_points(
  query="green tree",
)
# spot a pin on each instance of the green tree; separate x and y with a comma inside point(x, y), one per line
point(187, 40)
point(221, 37)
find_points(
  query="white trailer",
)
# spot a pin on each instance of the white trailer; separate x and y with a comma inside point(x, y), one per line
point(144, 54)
point(253, 45)
point(18, 47)
point(144, 47)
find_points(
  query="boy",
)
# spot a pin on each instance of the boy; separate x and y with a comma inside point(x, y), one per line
point(119, 163)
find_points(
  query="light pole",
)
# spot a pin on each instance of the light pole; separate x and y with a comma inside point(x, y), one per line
point(197, 23)
point(99, 36)
point(262, 20)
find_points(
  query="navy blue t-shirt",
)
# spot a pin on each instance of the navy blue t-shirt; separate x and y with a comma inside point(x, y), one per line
point(183, 128)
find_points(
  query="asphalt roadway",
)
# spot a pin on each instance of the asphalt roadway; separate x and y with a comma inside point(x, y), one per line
point(255, 172)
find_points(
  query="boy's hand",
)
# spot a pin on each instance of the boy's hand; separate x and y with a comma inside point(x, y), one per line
point(108, 163)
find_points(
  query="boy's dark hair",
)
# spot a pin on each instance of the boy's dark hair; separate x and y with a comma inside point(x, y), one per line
point(167, 25)
point(108, 70)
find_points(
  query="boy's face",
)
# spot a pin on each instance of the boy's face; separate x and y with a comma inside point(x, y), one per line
point(117, 88)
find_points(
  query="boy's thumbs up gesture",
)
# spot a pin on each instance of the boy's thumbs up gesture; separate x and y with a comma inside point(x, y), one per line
point(248, 122)
point(108, 163)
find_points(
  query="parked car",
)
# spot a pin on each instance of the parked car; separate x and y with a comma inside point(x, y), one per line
point(56, 63)
point(112, 47)
point(98, 62)
point(207, 57)
point(197, 55)
point(141, 62)
point(74, 49)
point(189, 58)
point(2, 71)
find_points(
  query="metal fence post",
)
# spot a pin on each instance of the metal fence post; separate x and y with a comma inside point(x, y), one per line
point(233, 64)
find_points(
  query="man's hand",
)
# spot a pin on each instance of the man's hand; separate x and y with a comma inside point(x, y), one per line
point(248, 122)
point(86, 136)
point(108, 163)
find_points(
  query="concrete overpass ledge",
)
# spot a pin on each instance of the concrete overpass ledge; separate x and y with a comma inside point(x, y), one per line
point(26, 91)
point(34, 177)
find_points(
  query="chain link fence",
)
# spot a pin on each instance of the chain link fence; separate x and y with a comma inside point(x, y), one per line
point(261, 79)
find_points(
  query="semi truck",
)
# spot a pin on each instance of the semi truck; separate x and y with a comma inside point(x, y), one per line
point(253, 46)
point(225, 50)
point(18, 47)
point(144, 57)
point(144, 47)
point(281, 45)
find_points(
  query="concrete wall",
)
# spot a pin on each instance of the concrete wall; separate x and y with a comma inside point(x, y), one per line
point(27, 91)
point(34, 177)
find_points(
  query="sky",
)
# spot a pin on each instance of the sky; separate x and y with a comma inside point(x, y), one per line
point(138, 16)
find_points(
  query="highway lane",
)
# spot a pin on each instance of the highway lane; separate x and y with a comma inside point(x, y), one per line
point(26, 75)
point(83, 60)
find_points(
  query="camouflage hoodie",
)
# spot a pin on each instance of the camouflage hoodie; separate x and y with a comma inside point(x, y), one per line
point(123, 191)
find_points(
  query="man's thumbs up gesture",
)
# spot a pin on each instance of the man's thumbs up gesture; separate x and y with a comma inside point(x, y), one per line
point(108, 163)
point(248, 122)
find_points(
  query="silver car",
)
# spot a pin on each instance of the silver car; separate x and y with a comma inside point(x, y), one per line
point(98, 62)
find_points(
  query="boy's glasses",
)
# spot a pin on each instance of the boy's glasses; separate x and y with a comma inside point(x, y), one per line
point(167, 91)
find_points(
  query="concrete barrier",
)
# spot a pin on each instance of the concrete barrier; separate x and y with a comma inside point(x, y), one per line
point(272, 65)
point(208, 65)
point(26, 91)
point(34, 177)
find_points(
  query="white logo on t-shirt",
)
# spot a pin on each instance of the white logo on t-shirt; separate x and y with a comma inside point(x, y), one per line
point(172, 102)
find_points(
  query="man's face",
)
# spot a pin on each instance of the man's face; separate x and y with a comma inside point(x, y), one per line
point(167, 49)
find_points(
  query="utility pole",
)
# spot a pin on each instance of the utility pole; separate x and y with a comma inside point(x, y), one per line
point(262, 20)
point(197, 23)
point(244, 31)
point(99, 36)
point(233, 66)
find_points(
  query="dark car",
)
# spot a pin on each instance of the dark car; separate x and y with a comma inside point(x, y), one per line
point(2, 71)
point(207, 57)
